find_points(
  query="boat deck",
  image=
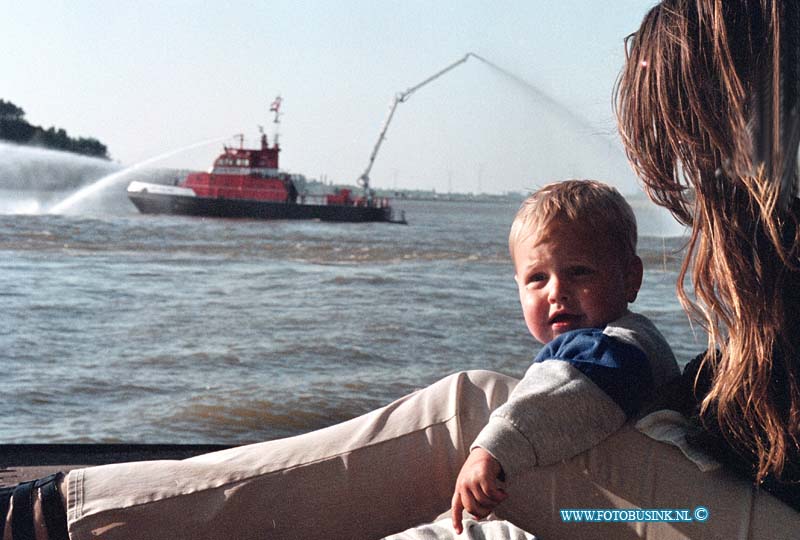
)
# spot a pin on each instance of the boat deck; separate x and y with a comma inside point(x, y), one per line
point(21, 462)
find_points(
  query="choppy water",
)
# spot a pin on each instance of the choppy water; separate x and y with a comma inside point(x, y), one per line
point(168, 329)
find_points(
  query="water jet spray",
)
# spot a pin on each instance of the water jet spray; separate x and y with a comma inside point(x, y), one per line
point(402, 97)
point(110, 179)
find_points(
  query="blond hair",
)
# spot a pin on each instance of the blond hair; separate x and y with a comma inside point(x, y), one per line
point(685, 107)
point(586, 201)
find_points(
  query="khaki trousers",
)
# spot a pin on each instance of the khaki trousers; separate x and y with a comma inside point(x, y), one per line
point(395, 468)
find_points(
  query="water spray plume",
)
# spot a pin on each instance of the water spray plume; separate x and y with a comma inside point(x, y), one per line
point(109, 180)
point(602, 140)
point(560, 107)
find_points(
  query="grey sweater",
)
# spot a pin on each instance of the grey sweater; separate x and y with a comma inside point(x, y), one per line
point(581, 388)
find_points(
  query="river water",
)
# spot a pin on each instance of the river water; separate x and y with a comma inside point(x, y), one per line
point(119, 327)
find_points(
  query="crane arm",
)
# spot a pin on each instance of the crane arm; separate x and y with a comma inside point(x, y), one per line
point(401, 97)
point(405, 95)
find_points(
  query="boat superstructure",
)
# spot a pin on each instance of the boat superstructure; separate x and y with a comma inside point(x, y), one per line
point(248, 183)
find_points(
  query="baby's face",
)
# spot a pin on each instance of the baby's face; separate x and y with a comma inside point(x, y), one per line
point(571, 277)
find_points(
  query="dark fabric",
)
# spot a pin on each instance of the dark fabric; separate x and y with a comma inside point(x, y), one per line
point(5, 502)
point(22, 516)
point(55, 516)
point(22, 526)
point(708, 436)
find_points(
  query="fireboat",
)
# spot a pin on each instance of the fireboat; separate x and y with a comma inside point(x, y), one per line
point(247, 183)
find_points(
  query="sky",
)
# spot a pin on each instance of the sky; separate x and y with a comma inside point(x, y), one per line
point(150, 78)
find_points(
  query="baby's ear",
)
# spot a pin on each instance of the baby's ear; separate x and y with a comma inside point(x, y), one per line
point(633, 279)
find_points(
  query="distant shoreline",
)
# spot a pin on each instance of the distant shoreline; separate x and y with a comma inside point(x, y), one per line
point(457, 198)
point(14, 128)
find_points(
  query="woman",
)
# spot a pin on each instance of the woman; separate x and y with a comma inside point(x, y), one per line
point(708, 111)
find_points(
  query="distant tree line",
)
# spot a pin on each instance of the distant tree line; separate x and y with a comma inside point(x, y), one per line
point(14, 128)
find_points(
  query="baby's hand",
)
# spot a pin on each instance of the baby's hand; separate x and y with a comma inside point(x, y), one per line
point(477, 490)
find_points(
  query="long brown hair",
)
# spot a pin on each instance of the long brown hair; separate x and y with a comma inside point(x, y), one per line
point(685, 107)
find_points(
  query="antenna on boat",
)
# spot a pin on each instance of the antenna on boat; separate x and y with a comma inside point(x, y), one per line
point(276, 108)
point(399, 98)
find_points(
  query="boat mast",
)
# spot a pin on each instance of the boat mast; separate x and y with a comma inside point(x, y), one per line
point(399, 98)
point(276, 108)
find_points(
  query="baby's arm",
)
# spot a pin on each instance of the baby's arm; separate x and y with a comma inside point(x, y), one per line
point(554, 413)
point(580, 389)
point(477, 490)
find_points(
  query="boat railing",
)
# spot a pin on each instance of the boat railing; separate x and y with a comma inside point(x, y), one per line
point(322, 199)
point(311, 199)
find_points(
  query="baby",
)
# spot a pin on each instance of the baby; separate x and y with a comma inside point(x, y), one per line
point(573, 245)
